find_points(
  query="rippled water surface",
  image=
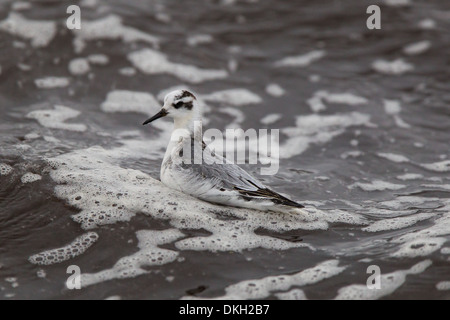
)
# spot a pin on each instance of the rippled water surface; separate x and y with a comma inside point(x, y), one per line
point(364, 120)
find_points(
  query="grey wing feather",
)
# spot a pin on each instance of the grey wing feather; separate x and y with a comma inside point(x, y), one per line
point(223, 174)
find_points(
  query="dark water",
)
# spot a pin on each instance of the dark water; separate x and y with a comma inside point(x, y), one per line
point(383, 160)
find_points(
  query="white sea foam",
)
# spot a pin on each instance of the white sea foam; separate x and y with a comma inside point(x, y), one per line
point(55, 118)
point(20, 5)
point(392, 107)
point(265, 287)
point(395, 67)
point(149, 254)
point(40, 33)
point(398, 158)
point(427, 24)
point(114, 194)
point(109, 28)
point(196, 39)
point(419, 247)
point(301, 60)
point(294, 294)
point(442, 166)
point(70, 251)
point(403, 202)
point(127, 71)
point(445, 250)
point(5, 169)
point(425, 241)
point(130, 101)
point(238, 115)
point(52, 82)
point(318, 129)
point(79, 66)
point(417, 47)
point(397, 3)
point(235, 97)
point(443, 286)
point(154, 62)
point(377, 185)
point(389, 283)
point(99, 59)
point(397, 223)
point(410, 176)
point(271, 118)
point(352, 154)
point(89, 3)
point(30, 177)
point(316, 102)
point(437, 186)
point(275, 90)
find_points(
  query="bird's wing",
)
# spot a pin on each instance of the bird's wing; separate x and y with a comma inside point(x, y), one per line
point(228, 176)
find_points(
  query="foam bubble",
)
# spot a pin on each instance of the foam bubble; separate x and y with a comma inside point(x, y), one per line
point(397, 223)
point(316, 102)
point(109, 27)
point(426, 241)
point(417, 47)
point(397, 3)
point(318, 129)
point(402, 202)
point(294, 294)
point(389, 283)
point(127, 71)
point(40, 33)
point(30, 177)
point(238, 115)
point(20, 5)
point(89, 3)
point(55, 119)
point(410, 176)
point(301, 60)
point(352, 154)
point(442, 166)
point(72, 250)
point(79, 66)
point(427, 24)
point(377, 185)
point(52, 82)
point(443, 286)
point(398, 158)
point(445, 250)
point(275, 90)
point(437, 186)
point(106, 193)
point(419, 247)
point(154, 62)
point(149, 254)
point(271, 118)
point(395, 67)
point(195, 40)
point(235, 97)
point(5, 169)
point(130, 101)
point(265, 287)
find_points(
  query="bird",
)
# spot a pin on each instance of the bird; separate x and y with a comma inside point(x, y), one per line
point(206, 175)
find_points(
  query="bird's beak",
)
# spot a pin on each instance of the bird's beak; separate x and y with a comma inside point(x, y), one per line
point(160, 114)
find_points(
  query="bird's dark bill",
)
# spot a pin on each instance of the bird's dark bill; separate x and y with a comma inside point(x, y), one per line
point(160, 114)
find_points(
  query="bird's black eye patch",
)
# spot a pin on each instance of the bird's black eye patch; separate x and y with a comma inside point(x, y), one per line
point(178, 105)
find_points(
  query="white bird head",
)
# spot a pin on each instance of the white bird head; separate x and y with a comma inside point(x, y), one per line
point(180, 105)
